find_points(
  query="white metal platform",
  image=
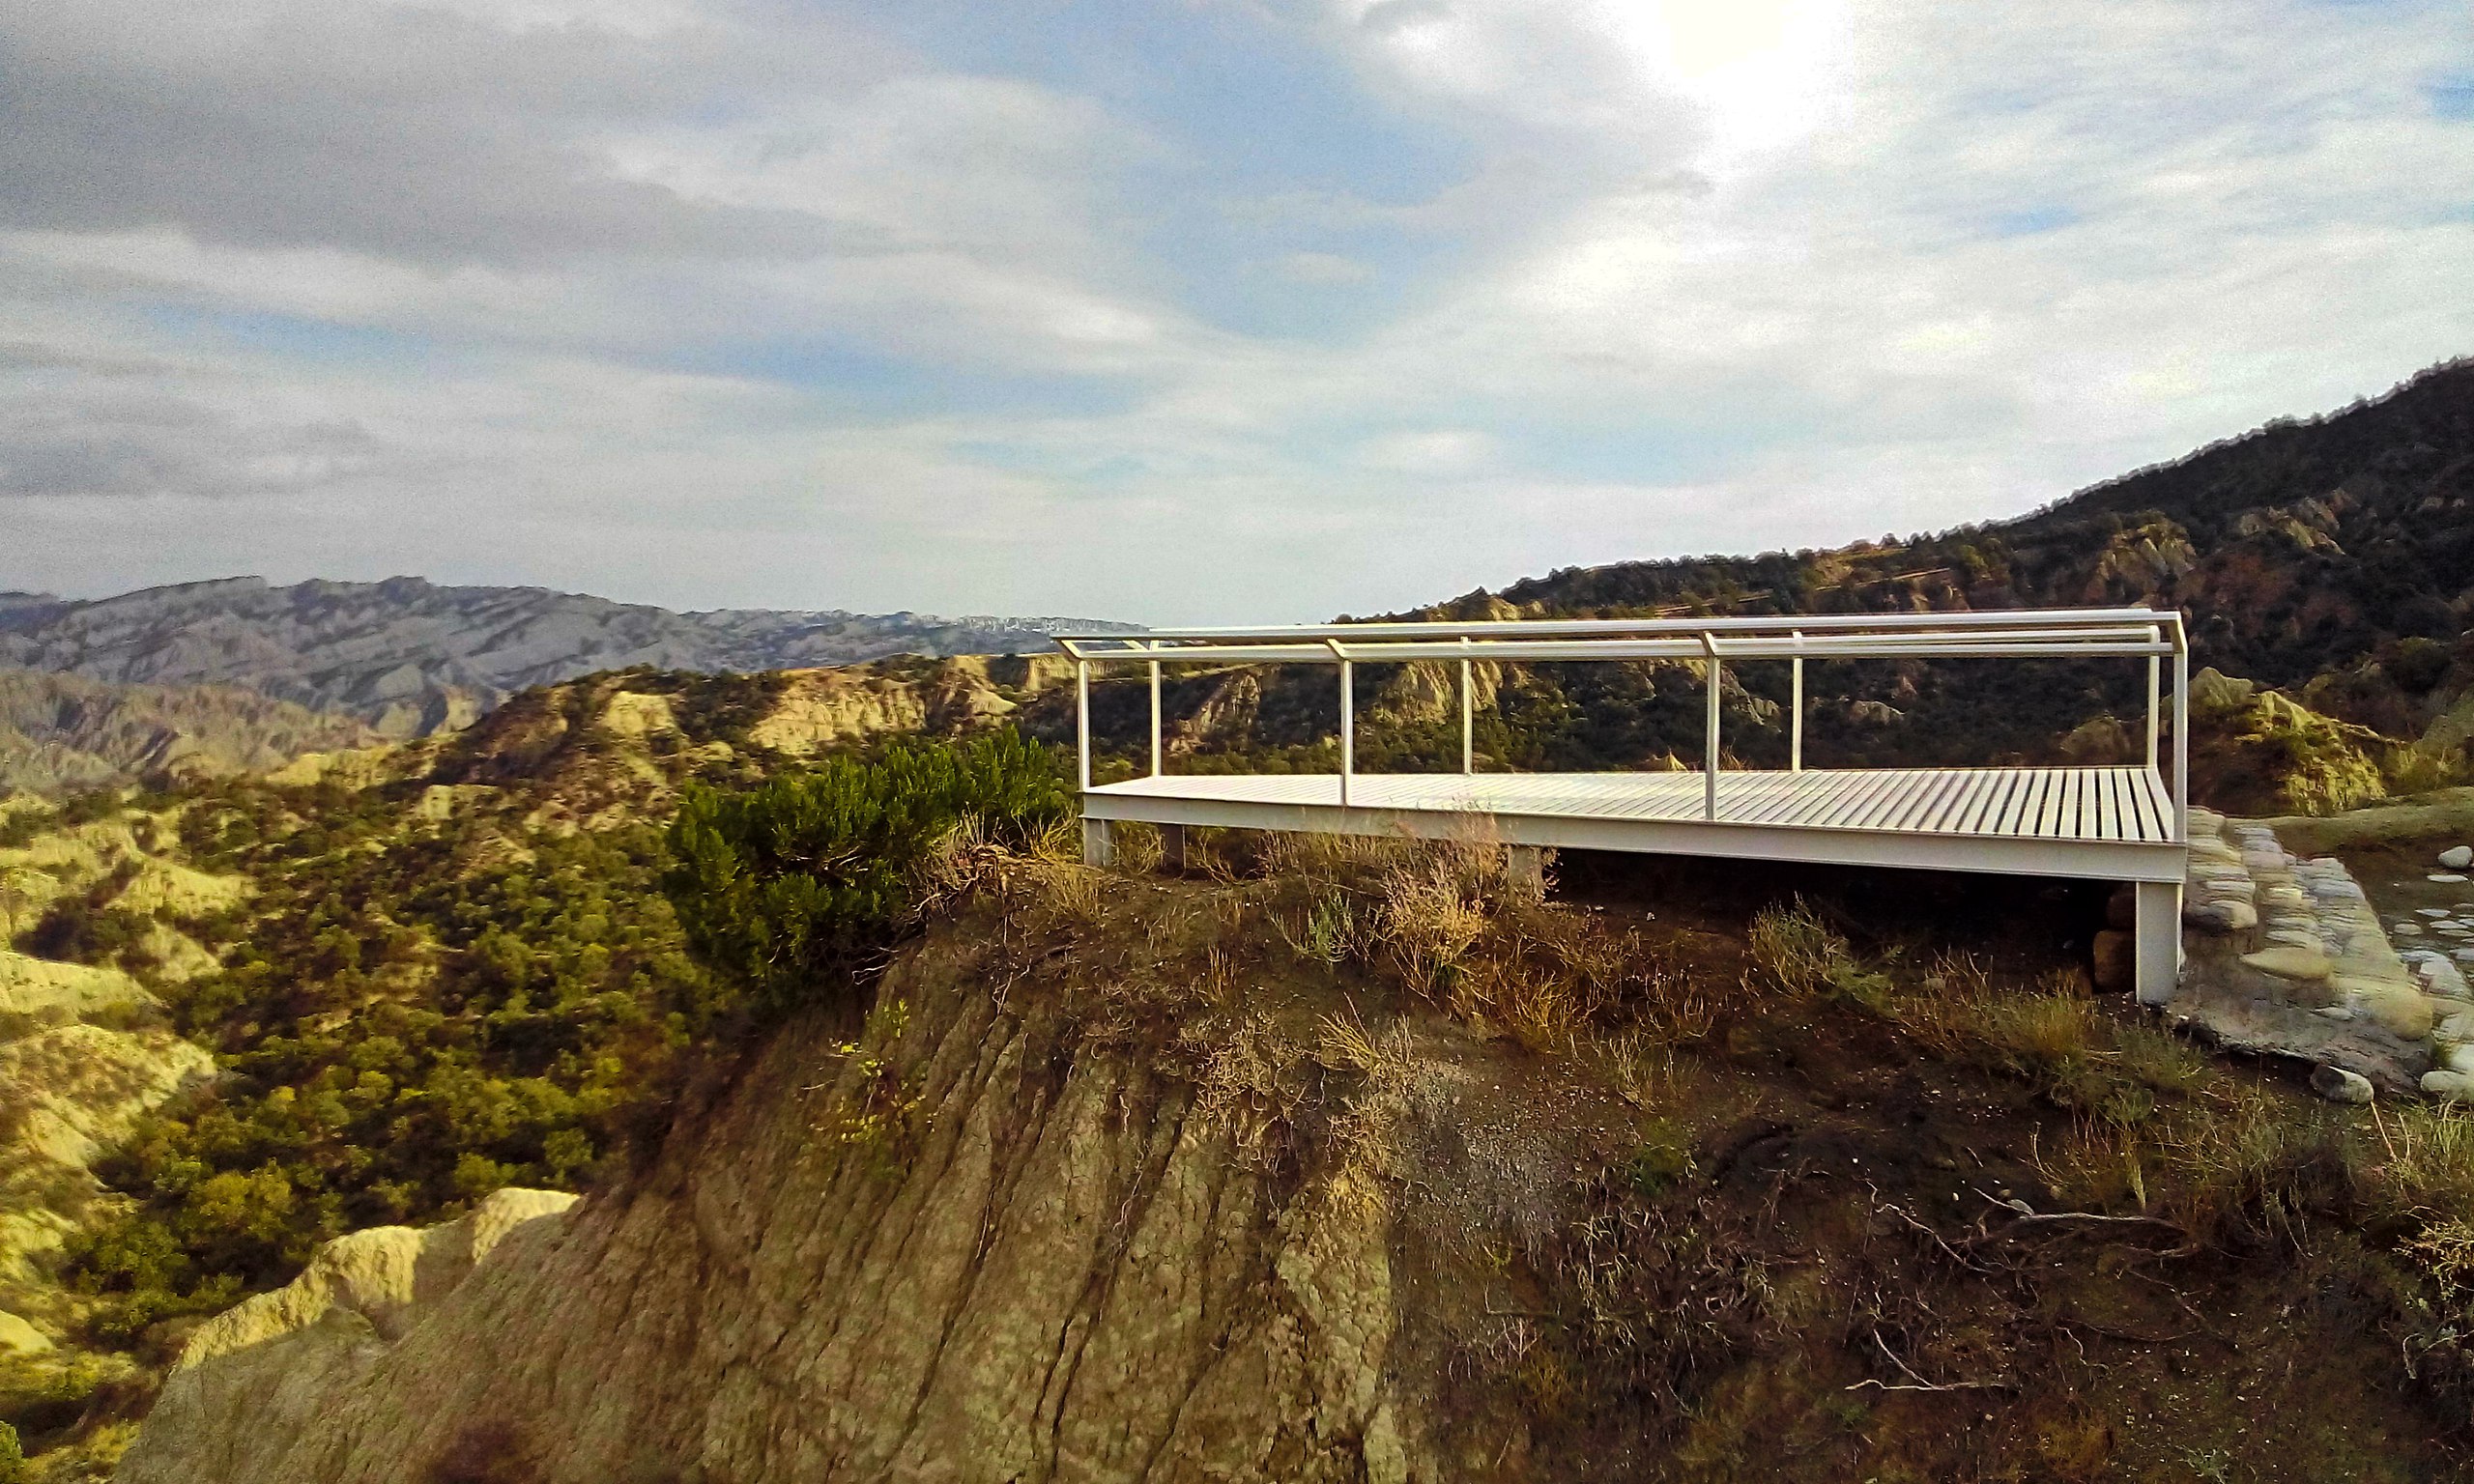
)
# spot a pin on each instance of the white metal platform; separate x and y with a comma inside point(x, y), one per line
point(2120, 823)
point(2107, 823)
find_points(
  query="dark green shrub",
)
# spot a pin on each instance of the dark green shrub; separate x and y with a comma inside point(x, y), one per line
point(788, 882)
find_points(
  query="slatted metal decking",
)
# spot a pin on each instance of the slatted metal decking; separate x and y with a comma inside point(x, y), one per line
point(2115, 823)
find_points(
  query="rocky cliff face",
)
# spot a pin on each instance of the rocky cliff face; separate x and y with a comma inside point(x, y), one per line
point(974, 1246)
point(1128, 1179)
point(410, 657)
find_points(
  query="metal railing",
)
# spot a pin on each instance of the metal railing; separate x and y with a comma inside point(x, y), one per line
point(2092, 632)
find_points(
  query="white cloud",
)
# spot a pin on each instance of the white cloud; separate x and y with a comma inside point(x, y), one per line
point(707, 302)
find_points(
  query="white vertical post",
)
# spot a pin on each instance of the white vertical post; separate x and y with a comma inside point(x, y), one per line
point(1348, 727)
point(1796, 706)
point(1468, 721)
point(2156, 940)
point(1155, 718)
point(1082, 723)
point(1709, 743)
point(2155, 672)
point(2181, 734)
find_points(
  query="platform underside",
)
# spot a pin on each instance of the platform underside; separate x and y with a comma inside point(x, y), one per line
point(2106, 823)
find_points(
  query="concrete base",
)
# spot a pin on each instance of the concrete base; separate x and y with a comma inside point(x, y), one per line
point(1099, 844)
point(1525, 869)
point(2158, 929)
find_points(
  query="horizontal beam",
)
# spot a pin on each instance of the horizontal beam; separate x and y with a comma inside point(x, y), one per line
point(1885, 646)
point(1973, 854)
point(1969, 620)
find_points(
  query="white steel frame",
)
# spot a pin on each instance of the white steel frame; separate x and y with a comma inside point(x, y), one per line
point(2157, 866)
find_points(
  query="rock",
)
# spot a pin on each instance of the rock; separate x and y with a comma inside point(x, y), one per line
point(19, 1338)
point(2445, 877)
point(2458, 857)
point(2286, 963)
point(2405, 1014)
point(2117, 965)
point(2121, 909)
point(2338, 1085)
point(2223, 916)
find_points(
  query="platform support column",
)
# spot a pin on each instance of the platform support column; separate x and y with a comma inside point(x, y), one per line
point(1099, 843)
point(2157, 929)
point(1155, 718)
point(1172, 846)
point(1525, 869)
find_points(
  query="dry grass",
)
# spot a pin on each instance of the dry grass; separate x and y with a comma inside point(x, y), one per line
point(1430, 919)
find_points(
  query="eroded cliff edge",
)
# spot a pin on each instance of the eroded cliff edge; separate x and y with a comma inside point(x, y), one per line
point(1367, 1165)
point(979, 1244)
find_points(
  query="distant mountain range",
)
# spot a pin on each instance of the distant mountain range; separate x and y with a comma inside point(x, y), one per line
point(408, 657)
point(2332, 557)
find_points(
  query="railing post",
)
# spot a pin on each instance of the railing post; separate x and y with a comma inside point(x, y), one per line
point(1155, 718)
point(2181, 733)
point(1468, 721)
point(2155, 669)
point(1348, 728)
point(1709, 743)
point(1082, 723)
point(1795, 705)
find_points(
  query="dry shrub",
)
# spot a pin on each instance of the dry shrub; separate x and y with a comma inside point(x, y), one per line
point(1796, 949)
point(1252, 1077)
point(1067, 892)
point(1327, 929)
point(1430, 921)
point(1645, 1072)
point(2238, 1169)
point(1800, 955)
point(1137, 845)
point(1368, 1129)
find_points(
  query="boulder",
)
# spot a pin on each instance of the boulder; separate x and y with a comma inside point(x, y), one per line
point(2117, 965)
point(2458, 857)
point(2338, 1085)
point(2404, 1014)
point(2302, 963)
point(2456, 1086)
point(2223, 915)
point(19, 1338)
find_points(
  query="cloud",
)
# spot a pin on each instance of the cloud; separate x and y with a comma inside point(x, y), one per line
point(1221, 311)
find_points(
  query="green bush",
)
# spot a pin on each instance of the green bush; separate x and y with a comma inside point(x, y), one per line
point(785, 884)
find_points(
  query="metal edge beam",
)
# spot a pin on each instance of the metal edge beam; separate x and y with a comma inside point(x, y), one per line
point(1959, 620)
point(1968, 854)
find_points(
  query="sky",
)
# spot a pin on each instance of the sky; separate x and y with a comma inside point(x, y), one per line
point(1192, 310)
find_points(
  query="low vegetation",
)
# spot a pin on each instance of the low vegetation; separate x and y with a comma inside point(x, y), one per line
point(1674, 1194)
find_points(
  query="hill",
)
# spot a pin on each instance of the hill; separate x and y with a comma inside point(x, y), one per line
point(2333, 554)
point(2326, 565)
point(409, 657)
point(1356, 1162)
point(64, 733)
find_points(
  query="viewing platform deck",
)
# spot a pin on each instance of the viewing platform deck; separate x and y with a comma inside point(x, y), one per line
point(2118, 824)
point(2112, 825)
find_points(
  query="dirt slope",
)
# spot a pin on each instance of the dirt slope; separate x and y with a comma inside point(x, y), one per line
point(1131, 1180)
